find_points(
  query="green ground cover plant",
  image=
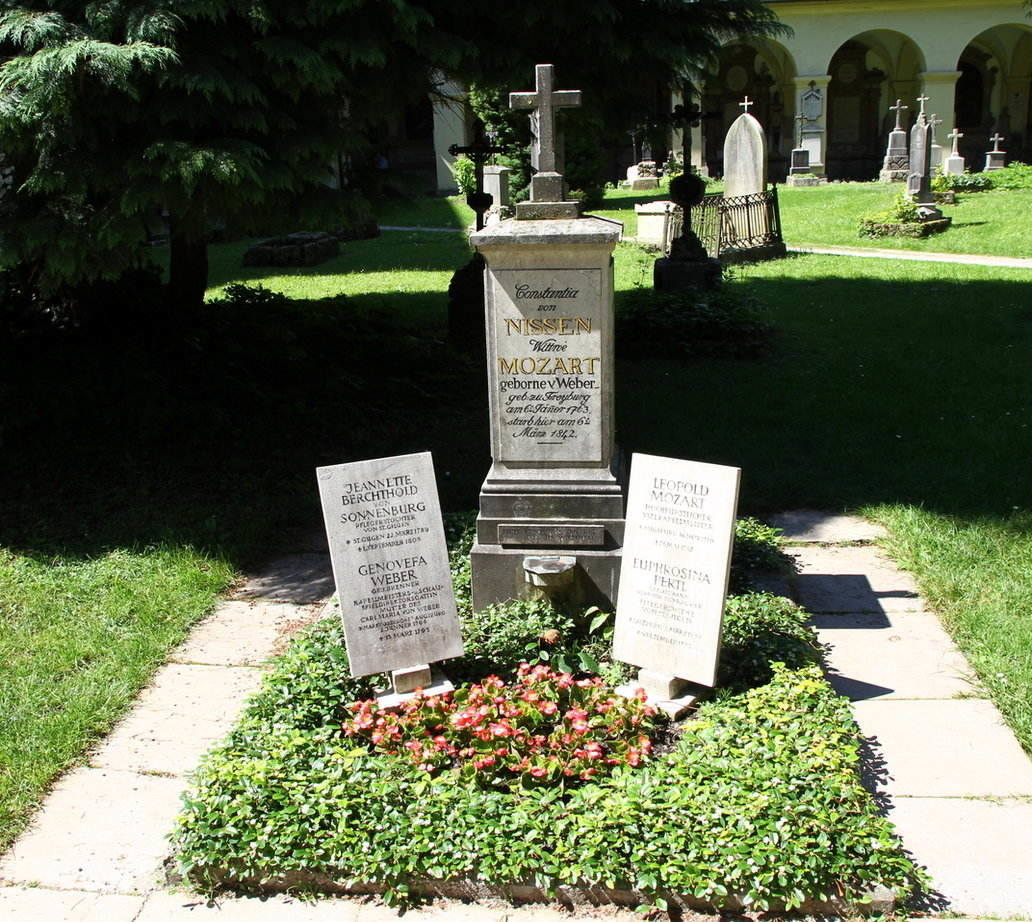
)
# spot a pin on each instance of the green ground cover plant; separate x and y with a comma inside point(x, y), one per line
point(758, 798)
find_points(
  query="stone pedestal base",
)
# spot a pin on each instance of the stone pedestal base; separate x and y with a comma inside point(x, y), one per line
point(683, 275)
point(893, 175)
point(644, 183)
point(416, 680)
point(522, 518)
point(500, 574)
point(804, 179)
point(755, 254)
point(667, 693)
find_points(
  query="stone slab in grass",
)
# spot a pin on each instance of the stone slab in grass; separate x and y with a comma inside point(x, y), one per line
point(35, 904)
point(912, 230)
point(906, 655)
point(177, 719)
point(852, 579)
point(953, 748)
point(977, 851)
point(99, 830)
point(810, 526)
point(298, 578)
point(244, 633)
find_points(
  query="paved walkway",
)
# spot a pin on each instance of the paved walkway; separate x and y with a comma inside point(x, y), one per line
point(971, 259)
point(951, 775)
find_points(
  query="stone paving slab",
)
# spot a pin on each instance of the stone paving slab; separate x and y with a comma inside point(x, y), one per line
point(298, 578)
point(979, 852)
point(34, 904)
point(178, 718)
point(99, 830)
point(809, 526)
point(906, 655)
point(851, 580)
point(243, 633)
point(956, 748)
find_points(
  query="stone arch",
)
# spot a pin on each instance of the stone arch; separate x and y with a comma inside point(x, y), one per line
point(868, 73)
point(994, 92)
point(764, 70)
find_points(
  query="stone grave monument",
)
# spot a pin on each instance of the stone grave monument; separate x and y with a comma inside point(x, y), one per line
point(799, 173)
point(689, 265)
point(995, 159)
point(919, 185)
point(954, 164)
point(390, 565)
point(552, 504)
point(896, 164)
point(748, 226)
point(745, 155)
point(677, 559)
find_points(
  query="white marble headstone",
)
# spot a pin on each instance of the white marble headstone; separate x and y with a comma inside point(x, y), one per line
point(745, 158)
point(390, 562)
point(676, 562)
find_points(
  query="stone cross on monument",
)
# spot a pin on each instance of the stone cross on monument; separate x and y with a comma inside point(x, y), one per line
point(745, 103)
point(546, 186)
point(955, 137)
point(922, 100)
point(898, 109)
point(996, 139)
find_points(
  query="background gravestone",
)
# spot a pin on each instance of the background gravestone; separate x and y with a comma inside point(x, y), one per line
point(745, 157)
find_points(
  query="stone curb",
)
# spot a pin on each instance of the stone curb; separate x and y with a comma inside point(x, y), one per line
point(878, 900)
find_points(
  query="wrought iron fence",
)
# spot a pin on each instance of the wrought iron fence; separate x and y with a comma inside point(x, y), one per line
point(743, 222)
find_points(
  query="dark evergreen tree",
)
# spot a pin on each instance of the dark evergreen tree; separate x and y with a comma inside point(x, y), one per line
point(235, 109)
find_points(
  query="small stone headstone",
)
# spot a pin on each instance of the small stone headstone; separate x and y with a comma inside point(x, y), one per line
point(390, 563)
point(676, 562)
point(954, 164)
point(996, 159)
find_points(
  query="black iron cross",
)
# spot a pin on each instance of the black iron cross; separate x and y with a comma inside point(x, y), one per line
point(479, 152)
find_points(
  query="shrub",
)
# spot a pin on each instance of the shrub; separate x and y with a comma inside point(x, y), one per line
point(464, 171)
point(756, 551)
point(1016, 175)
point(760, 629)
point(723, 323)
point(546, 728)
point(761, 800)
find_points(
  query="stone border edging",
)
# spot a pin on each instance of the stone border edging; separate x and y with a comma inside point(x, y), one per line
point(880, 899)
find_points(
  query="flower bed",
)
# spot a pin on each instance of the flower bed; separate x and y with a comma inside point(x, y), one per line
point(549, 784)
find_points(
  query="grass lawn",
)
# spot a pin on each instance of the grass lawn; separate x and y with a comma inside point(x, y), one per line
point(144, 465)
point(997, 223)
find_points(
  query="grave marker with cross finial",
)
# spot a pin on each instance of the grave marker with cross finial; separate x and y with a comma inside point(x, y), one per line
point(922, 100)
point(479, 152)
point(745, 103)
point(954, 164)
point(898, 109)
point(996, 159)
point(896, 165)
point(546, 155)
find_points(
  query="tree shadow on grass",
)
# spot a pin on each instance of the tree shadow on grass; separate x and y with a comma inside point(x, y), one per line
point(914, 390)
point(210, 435)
